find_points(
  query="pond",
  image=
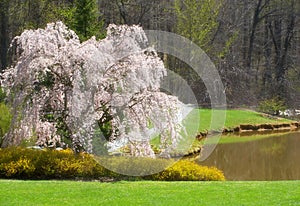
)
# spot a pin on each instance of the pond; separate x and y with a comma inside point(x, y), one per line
point(271, 158)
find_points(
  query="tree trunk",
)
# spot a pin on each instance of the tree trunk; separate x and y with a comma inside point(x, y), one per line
point(282, 40)
point(267, 74)
point(4, 5)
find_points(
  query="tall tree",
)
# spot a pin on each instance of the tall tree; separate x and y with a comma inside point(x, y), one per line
point(4, 5)
point(257, 17)
point(87, 21)
point(197, 20)
point(282, 30)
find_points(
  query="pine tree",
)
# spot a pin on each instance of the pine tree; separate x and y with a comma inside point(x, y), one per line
point(87, 21)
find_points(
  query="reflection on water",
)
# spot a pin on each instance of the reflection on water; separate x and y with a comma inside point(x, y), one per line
point(274, 158)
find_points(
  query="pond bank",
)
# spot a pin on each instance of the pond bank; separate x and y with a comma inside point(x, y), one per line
point(263, 127)
point(246, 130)
point(254, 128)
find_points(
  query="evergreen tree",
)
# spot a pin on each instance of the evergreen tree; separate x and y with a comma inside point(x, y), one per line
point(87, 21)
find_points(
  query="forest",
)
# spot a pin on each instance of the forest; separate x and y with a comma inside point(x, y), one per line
point(255, 44)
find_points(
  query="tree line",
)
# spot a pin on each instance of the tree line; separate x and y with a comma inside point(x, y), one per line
point(255, 44)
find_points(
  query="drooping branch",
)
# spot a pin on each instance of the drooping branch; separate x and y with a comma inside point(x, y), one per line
point(68, 88)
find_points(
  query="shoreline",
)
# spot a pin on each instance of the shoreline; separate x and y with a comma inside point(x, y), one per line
point(254, 128)
point(247, 130)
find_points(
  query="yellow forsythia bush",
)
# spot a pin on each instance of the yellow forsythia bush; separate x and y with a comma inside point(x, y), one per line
point(185, 170)
point(20, 167)
point(21, 163)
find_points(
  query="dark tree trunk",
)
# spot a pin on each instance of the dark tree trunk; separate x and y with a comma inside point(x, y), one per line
point(4, 5)
point(282, 41)
point(245, 35)
point(258, 15)
point(267, 74)
point(255, 22)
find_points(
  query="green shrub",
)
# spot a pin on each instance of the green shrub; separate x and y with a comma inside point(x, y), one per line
point(135, 166)
point(5, 119)
point(272, 106)
point(2, 95)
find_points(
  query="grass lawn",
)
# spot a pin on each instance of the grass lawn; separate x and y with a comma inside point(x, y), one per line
point(233, 118)
point(199, 120)
point(14, 192)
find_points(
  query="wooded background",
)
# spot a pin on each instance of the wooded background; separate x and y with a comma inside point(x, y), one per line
point(255, 44)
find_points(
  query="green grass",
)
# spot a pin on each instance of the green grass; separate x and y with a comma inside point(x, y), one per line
point(234, 118)
point(5, 118)
point(148, 193)
point(237, 117)
point(199, 120)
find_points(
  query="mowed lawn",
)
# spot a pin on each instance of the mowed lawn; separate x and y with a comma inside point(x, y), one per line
point(201, 119)
point(13, 192)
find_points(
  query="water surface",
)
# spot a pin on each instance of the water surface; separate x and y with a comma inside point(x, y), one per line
point(273, 158)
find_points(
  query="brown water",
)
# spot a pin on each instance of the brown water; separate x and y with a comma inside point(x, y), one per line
point(273, 158)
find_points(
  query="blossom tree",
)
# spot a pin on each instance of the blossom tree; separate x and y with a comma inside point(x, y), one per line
point(62, 90)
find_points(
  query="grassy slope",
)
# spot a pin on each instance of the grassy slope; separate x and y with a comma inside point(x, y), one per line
point(149, 193)
point(233, 118)
point(236, 117)
point(200, 120)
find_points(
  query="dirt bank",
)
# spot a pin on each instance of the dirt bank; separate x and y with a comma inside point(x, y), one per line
point(264, 127)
